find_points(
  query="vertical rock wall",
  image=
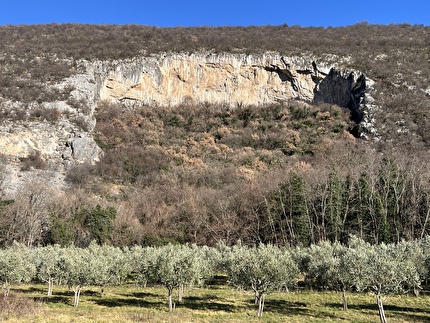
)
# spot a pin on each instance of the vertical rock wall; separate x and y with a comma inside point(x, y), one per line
point(213, 78)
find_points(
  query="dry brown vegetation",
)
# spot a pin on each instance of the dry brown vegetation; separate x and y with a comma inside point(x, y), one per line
point(141, 143)
point(18, 305)
point(285, 174)
point(118, 42)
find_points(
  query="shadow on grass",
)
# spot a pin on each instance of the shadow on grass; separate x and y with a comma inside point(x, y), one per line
point(134, 299)
point(56, 299)
point(33, 291)
point(130, 300)
point(42, 290)
point(408, 313)
point(151, 300)
point(387, 307)
point(135, 302)
point(207, 302)
point(62, 292)
point(141, 294)
point(286, 308)
point(282, 307)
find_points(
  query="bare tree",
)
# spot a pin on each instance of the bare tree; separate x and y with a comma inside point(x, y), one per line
point(26, 220)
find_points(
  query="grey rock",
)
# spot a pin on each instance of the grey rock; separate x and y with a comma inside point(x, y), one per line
point(83, 149)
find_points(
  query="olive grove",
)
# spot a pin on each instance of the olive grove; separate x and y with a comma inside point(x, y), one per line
point(383, 269)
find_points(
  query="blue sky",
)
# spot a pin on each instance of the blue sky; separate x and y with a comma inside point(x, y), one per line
point(215, 12)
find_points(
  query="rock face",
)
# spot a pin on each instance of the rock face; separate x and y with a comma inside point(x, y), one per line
point(346, 89)
point(218, 79)
point(170, 80)
point(58, 142)
point(48, 135)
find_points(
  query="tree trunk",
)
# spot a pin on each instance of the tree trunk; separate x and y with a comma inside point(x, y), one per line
point(50, 287)
point(382, 317)
point(6, 290)
point(77, 291)
point(260, 306)
point(345, 304)
point(169, 297)
point(423, 230)
point(103, 292)
point(257, 299)
point(180, 293)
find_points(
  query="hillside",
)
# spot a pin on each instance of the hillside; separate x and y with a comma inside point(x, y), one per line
point(134, 134)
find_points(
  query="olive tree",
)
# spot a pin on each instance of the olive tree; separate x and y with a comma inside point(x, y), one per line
point(75, 268)
point(121, 264)
point(47, 261)
point(413, 256)
point(143, 259)
point(207, 262)
point(329, 266)
point(174, 266)
point(383, 269)
point(262, 269)
point(16, 266)
point(107, 265)
point(425, 249)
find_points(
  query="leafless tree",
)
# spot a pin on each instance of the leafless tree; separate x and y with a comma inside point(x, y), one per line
point(26, 220)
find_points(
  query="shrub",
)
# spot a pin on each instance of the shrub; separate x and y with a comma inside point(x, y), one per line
point(52, 115)
point(17, 306)
point(33, 160)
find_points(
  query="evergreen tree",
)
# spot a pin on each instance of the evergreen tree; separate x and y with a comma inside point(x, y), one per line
point(391, 188)
point(334, 216)
point(298, 209)
point(99, 222)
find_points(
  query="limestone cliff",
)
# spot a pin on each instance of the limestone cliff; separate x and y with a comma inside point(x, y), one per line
point(214, 78)
point(58, 133)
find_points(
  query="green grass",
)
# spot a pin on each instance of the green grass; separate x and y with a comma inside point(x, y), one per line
point(213, 304)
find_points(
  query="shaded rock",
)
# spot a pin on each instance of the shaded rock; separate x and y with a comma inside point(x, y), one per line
point(83, 149)
point(343, 88)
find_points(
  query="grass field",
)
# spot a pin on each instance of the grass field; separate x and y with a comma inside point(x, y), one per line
point(218, 303)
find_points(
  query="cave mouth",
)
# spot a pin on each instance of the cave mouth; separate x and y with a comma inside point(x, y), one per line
point(346, 91)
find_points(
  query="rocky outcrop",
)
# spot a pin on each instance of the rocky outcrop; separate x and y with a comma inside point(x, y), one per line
point(170, 80)
point(59, 136)
point(64, 134)
point(82, 149)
